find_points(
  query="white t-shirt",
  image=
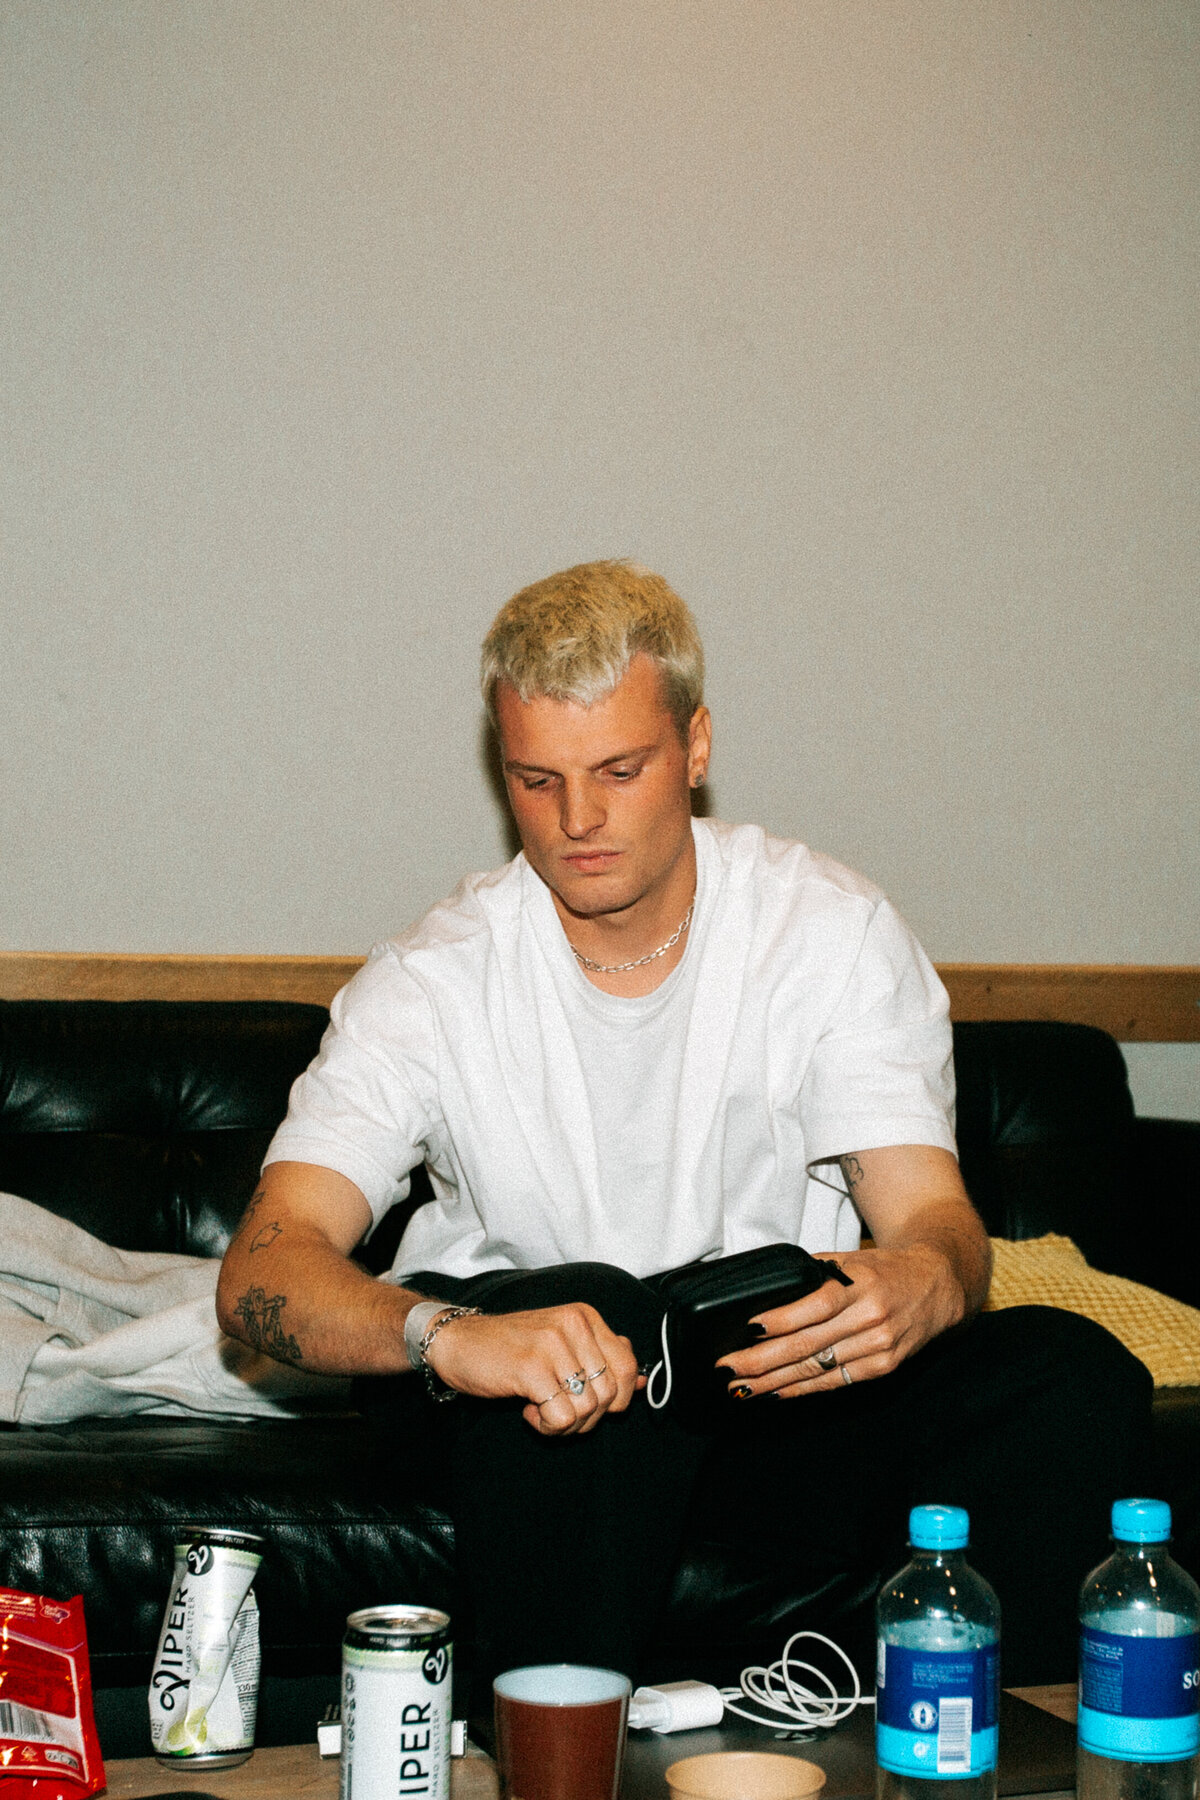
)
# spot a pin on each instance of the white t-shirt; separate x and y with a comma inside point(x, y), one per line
point(561, 1124)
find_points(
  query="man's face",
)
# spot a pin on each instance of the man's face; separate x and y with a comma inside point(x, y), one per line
point(600, 793)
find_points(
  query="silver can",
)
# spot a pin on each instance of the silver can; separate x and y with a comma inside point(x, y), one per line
point(396, 1667)
point(204, 1688)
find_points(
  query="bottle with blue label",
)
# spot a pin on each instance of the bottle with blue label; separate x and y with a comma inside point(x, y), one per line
point(1139, 1666)
point(937, 1676)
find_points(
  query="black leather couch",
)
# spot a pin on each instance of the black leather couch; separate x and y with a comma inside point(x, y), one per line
point(145, 1122)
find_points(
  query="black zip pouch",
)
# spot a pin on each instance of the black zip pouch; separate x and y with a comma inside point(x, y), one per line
point(709, 1308)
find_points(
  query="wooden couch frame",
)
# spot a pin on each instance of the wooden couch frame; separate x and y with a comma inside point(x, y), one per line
point(1135, 1003)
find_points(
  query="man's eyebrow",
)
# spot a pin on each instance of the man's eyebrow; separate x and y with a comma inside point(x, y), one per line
point(524, 768)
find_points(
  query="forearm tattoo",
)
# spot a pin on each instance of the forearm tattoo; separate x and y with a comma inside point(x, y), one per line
point(265, 1235)
point(261, 1317)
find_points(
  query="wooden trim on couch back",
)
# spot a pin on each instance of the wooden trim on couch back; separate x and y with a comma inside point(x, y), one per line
point(66, 975)
point(1136, 1004)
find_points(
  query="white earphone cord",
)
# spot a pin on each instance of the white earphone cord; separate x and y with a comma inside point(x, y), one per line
point(773, 1688)
point(788, 1700)
point(665, 1364)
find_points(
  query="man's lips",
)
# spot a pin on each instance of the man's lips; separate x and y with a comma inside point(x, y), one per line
point(593, 860)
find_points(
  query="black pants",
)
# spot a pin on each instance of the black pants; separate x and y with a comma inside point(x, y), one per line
point(1033, 1419)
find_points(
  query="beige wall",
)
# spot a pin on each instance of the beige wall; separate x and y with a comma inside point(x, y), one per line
point(871, 323)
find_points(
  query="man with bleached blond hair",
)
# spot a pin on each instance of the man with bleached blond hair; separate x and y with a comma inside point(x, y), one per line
point(651, 1039)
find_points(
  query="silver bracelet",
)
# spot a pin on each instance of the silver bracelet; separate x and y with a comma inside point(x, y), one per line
point(438, 1389)
point(417, 1322)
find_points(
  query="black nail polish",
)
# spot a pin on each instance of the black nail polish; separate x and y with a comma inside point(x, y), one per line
point(742, 1393)
point(756, 1329)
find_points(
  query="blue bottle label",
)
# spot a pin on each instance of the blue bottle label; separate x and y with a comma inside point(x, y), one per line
point(936, 1711)
point(1139, 1697)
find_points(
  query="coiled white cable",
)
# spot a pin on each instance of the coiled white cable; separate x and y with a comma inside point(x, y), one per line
point(773, 1687)
point(787, 1700)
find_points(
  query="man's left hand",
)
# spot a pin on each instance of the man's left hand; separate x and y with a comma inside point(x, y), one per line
point(929, 1270)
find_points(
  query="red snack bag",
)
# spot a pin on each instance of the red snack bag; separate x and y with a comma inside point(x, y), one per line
point(48, 1744)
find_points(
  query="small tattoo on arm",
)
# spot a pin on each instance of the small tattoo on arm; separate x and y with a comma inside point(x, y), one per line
point(852, 1169)
point(261, 1316)
point(255, 1201)
point(265, 1236)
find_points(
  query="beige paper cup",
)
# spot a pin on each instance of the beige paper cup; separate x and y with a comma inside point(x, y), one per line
point(744, 1775)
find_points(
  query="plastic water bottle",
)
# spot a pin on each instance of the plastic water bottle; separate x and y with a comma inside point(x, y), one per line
point(937, 1677)
point(1139, 1666)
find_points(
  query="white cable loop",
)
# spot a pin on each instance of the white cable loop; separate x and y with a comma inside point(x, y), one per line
point(788, 1700)
point(664, 1364)
point(773, 1688)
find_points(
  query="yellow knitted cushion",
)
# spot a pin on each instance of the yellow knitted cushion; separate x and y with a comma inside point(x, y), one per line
point(1052, 1271)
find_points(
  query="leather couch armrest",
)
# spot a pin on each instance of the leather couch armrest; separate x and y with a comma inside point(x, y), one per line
point(1163, 1207)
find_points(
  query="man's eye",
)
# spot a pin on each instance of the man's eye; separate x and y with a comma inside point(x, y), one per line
point(625, 774)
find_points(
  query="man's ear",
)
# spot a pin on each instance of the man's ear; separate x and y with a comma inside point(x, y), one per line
point(699, 746)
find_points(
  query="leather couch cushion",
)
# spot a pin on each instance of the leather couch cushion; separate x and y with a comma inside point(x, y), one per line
point(95, 1506)
point(146, 1122)
point(1046, 1133)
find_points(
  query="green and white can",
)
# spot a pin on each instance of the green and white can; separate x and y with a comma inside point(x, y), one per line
point(396, 1668)
point(204, 1688)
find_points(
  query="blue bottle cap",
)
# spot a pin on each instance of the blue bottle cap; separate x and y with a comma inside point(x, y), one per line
point(1141, 1521)
point(938, 1527)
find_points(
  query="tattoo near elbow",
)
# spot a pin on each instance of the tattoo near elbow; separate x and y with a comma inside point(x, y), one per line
point(262, 1324)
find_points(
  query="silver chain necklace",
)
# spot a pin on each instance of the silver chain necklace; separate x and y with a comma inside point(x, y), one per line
point(620, 968)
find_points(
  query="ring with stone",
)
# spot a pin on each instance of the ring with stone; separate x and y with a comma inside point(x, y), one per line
point(575, 1383)
point(827, 1357)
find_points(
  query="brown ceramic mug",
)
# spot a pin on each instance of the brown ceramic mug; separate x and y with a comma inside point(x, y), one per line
point(560, 1732)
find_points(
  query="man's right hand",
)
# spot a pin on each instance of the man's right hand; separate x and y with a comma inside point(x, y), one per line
point(537, 1356)
point(289, 1289)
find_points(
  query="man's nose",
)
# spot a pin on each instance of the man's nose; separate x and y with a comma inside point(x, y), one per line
point(583, 809)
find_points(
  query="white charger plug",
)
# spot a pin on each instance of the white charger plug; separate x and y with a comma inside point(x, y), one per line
point(676, 1706)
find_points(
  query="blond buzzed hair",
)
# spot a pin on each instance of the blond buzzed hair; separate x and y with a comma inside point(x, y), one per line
point(574, 635)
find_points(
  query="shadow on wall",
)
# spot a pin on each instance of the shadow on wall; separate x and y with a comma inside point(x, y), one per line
point(493, 770)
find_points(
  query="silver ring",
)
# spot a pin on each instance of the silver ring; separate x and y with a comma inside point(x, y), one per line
point(575, 1383)
point(827, 1357)
point(597, 1373)
point(845, 1374)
